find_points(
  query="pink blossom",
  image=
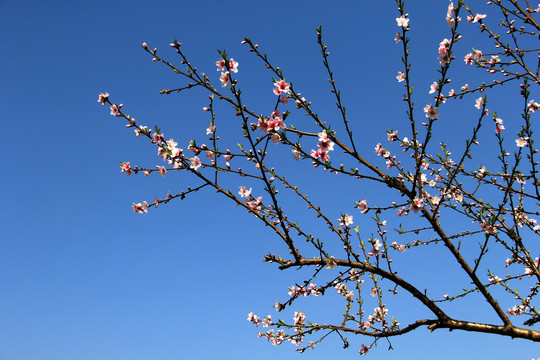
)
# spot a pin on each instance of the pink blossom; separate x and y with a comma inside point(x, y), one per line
point(171, 144)
point(479, 103)
point(362, 205)
point(220, 65)
point(243, 192)
point(444, 46)
point(449, 15)
point(397, 38)
point(465, 87)
point(402, 21)
point(253, 318)
point(281, 87)
point(364, 349)
point(126, 167)
point(479, 17)
point(299, 318)
point(195, 163)
point(140, 130)
point(275, 138)
point(477, 55)
point(325, 143)
point(341, 288)
point(320, 154)
point(262, 125)
point(157, 138)
point(468, 59)
point(521, 142)
point(103, 98)
point(515, 311)
point(292, 292)
point(267, 321)
point(416, 205)
point(296, 154)
point(494, 60)
point(433, 88)
point(176, 152)
point(392, 135)
point(275, 123)
point(536, 263)
point(162, 170)
point(380, 313)
point(140, 208)
point(533, 106)
point(451, 92)
point(489, 229)
point(225, 78)
point(255, 205)
point(345, 220)
point(367, 324)
point(400, 248)
point(499, 125)
point(376, 246)
point(211, 129)
point(233, 65)
point(330, 263)
point(115, 110)
point(431, 112)
point(315, 291)
point(400, 76)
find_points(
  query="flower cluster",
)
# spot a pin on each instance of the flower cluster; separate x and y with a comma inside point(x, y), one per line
point(342, 290)
point(225, 77)
point(272, 124)
point(444, 48)
point(254, 204)
point(450, 15)
point(325, 146)
point(141, 208)
point(312, 289)
point(400, 248)
point(533, 106)
point(517, 310)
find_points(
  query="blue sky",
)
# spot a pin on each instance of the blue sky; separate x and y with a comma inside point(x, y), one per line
point(82, 277)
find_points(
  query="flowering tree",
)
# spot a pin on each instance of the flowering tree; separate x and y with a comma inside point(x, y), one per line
point(433, 200)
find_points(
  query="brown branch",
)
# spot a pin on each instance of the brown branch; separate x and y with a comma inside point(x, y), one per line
point(375, 270)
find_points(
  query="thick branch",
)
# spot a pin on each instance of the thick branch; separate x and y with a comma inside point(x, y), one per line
point(375, 270)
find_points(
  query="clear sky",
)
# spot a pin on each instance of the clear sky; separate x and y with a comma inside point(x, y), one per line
point(83, 277)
